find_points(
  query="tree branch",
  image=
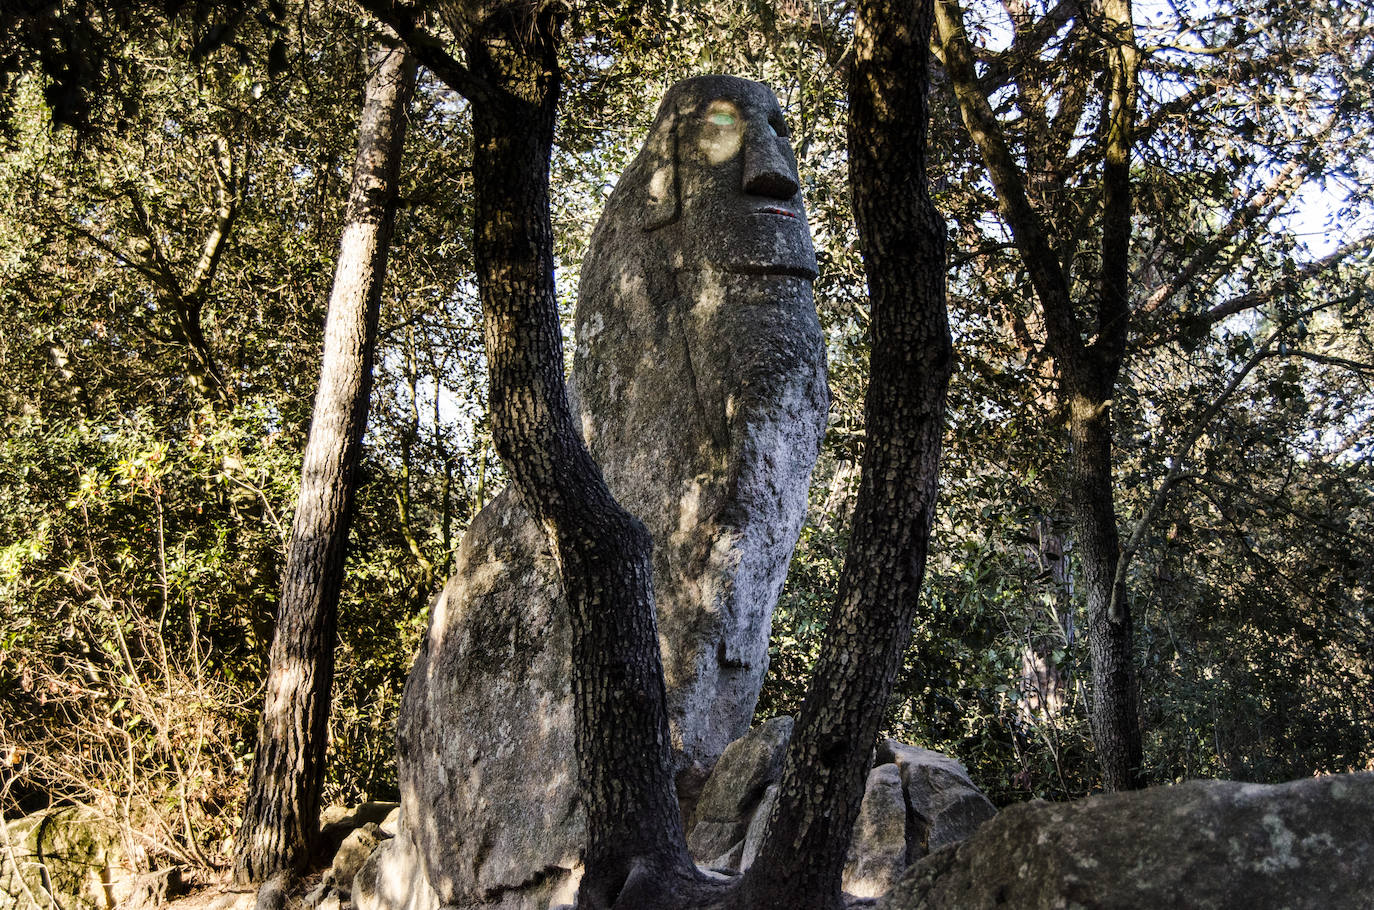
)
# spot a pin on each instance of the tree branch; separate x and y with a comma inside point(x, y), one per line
point(1242, 302)
point(429, 50)
point(1175, 473)
point(227, 191)
point(1356, 366)
point(1278, 191)
point(1027, 228)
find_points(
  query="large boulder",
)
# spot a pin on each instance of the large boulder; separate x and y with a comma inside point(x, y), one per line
point(1205, 845)
point(699, 382)
point(66, 858)
point(485, 734)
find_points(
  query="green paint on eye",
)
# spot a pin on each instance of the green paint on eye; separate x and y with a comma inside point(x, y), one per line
point(773, 129)
point(723, 118)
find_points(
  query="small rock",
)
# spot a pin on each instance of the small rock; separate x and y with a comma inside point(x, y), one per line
point(746, 769)
point(877, 850)
point(155, 888)
point(317, 894)
point(353, 852)
point(333, 815)
point(728, 862)
point(235, 900)
point(393, 878)
point(273, 893)
point(392, 823)
point(758, 826)
point(337, 822)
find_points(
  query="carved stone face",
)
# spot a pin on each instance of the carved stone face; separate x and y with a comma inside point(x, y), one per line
point(729, 189)
point(700, 378)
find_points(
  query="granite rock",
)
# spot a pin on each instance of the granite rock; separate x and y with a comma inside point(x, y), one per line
point(878, 848)
point(943, 802)
point(1204, 845)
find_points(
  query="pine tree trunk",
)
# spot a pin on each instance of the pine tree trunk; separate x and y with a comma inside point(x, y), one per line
point(903, 240)
point(281, 817)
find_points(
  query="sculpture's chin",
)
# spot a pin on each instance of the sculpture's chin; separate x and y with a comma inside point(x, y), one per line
point(761, 243)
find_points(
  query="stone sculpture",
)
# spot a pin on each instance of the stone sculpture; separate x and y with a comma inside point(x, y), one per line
point(699, 379)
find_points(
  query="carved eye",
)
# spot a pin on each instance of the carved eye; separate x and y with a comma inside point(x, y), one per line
point(772, 129)
point(723, 118)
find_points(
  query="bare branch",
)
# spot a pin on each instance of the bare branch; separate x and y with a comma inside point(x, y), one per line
point(1028, 229)
point(227, 189)
point(1261, 208)
point(428, 49)
point(1180, 456)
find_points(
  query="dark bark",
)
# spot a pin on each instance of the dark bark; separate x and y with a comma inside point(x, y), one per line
point(903, 240)
point(1115, 715)
point(281, 818)
point(1087, 370)
point(634, 836)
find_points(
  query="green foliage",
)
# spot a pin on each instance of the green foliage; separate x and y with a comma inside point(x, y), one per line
point(156, 412)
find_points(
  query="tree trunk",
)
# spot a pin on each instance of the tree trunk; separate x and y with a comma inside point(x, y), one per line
point(1087, 370)
point(1115, 715)
point(281, 817)
point(903, 239)
point(634, 827)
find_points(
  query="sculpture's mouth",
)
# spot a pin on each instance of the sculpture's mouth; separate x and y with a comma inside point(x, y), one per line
point(774, 210)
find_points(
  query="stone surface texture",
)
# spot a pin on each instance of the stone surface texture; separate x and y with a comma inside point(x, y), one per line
point(878, 848)
point(700, 383)
point(699, 380)
point(83, 854)
point(352, 853)
point(736, 788)
point(393, 878)
point(1204, 845)
point(912, 797)
point(944, 803)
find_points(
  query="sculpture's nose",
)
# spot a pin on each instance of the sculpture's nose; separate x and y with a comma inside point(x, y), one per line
point(768, 170)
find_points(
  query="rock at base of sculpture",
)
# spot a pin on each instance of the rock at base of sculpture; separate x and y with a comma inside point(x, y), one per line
point(393, 879)
point(878, 846)
point(735, 790)
point(914, 797)
point(1204, 845)
point(942, 801)
point(485, 738)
